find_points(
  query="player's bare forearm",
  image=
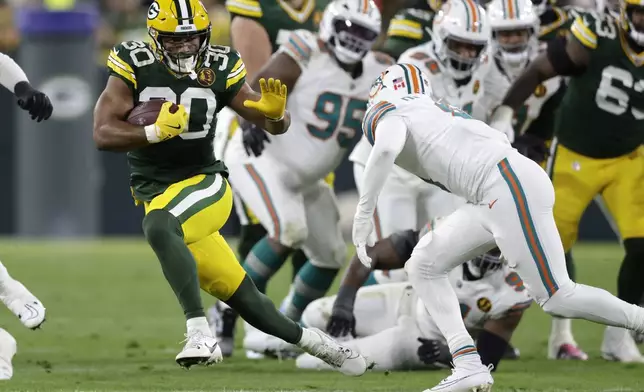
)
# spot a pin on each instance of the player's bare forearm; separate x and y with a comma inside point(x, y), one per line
point(537, 72)
point(250, 39)
point(111, 132)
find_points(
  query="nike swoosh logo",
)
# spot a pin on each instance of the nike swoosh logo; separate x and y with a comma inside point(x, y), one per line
point(212, 348)
point(491, 204)
point(33, 311)
point(177, 127)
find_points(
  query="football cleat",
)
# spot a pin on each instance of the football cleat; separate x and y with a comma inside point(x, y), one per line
point(200, 349)
point(341, 358)
point(23, 304)
point(462, 379)
point(222, 319)
point(8, 349)
point(619, 346)
point(568, 351)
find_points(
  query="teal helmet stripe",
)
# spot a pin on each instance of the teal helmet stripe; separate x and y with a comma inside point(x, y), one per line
point(407, 79)
point(420, 79)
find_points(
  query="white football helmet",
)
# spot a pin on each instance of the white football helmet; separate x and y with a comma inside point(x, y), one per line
point(350, 28)
point(518, 17)
point(460, 23)
point(398, 81)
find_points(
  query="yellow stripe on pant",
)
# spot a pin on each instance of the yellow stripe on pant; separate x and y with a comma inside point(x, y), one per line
point(202, 204)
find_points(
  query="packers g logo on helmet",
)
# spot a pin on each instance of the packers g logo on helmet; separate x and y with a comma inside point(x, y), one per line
point(153, 11)
point(180, 32)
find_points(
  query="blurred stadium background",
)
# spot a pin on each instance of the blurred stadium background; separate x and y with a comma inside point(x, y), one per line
point(56, 183)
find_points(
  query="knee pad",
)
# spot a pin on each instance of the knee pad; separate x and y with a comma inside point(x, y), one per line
point(555, 305)
point(158, 225)
point(294, 234)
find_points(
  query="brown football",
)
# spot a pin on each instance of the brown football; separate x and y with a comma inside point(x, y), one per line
point(146, 113)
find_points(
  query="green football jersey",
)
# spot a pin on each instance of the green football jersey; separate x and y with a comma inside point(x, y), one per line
point(218, 78)
point(407, 29)
point(601, 114)
point(278, 17)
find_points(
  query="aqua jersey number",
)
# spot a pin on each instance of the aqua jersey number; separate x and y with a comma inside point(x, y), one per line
point(346, 119)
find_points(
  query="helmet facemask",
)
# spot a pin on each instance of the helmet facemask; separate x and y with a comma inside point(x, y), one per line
point(487, 262)
point(513, 47)
point(181, 51)
point(633, 22)
point(461, 56)
point(350, 41)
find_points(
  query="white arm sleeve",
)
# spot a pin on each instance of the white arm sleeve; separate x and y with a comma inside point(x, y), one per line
point(391, 135)
point(10, 72)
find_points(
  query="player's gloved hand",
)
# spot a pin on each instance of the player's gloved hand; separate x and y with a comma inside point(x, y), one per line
point(33, 101)
point(272, 104)
point(169, 124)
point(362, 228)
point(434, 352)
point(501, 120)
point(254, 138)
point(341, 324)
point(532, 147)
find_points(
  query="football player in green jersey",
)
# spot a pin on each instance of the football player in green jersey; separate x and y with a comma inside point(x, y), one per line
point(598, 138)
point(177, 178)
point(258, 28)
point(410, 27)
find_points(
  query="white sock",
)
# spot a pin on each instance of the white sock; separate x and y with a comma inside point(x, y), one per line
point(561, 331)
point(441, 302)
point(574, 300)
point(199, 324)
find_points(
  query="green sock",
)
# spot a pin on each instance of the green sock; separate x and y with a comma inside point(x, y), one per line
point(262, 263)
point(570, 266)
point(260, 312)
point(165, 236)
point(298, 260)
point(311, 283)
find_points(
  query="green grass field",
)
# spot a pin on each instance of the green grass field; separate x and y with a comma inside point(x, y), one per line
point(114, 325)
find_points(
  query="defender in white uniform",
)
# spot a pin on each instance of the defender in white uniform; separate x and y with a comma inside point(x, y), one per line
point(329, 76)
point(510, 201)
point(514, 43)
point(20, 301)
point(450, 61)
point(392, 325)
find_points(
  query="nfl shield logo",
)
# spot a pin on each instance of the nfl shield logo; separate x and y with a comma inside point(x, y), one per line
point(399, 83)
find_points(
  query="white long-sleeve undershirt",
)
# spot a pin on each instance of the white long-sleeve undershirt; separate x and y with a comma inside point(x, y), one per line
point(10, 72)
point(390, 138)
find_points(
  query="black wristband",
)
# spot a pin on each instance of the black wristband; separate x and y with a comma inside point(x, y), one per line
point(22, 88)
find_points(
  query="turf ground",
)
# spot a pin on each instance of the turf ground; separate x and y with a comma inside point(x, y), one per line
point(114, 325)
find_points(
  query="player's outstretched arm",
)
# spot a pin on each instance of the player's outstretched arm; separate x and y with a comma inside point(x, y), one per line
point(389, 139)
point(266, 109)
point(14, 79)
point(111, 131)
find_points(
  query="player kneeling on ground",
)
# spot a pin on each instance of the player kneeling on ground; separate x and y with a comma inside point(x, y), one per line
point(177, 178)
point(394, 329)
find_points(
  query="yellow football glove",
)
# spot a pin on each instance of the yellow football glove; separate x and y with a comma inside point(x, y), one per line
point(168, 125)
point(273, 101)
